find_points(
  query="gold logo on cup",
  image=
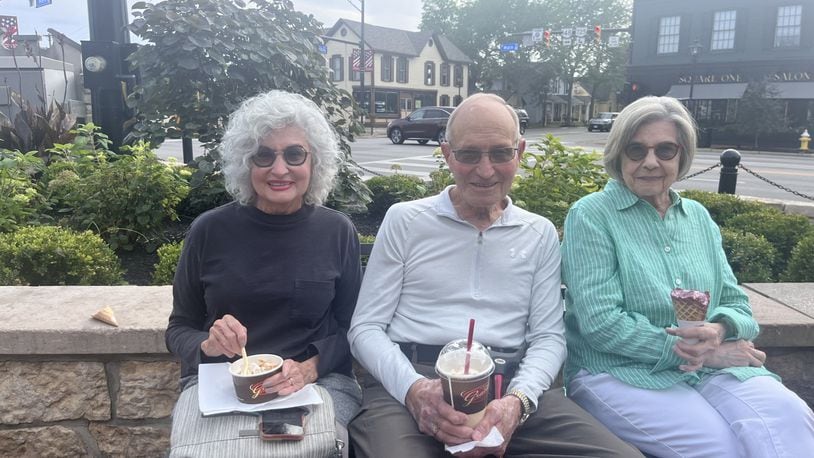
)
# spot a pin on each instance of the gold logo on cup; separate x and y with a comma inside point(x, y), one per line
point(474, 395)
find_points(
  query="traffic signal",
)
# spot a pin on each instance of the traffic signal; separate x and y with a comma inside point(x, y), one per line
point(547, 38)
point(598, 34)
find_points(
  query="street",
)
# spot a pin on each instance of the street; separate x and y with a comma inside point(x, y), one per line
point(377, 155)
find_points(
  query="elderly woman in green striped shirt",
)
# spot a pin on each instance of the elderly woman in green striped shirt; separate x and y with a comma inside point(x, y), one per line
point(624, 250)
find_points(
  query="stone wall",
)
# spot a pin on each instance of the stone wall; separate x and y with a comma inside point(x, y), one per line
point(89, 406)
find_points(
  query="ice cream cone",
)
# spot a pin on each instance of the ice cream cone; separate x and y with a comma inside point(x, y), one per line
point(105, 315)
point(690, 305)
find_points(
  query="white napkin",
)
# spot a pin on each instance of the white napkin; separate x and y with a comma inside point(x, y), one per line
point(493, 439)
point(216, 393)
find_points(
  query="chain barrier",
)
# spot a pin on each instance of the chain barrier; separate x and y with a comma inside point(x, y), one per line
point(777, 185)
point(700, 172)
point(375, 174)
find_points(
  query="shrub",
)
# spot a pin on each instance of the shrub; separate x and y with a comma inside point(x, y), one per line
point(206, 188)
point(126, 199)
point(723, 207)
point(168, 255)
point(801, 264)
point(387, 190)
point(781, 230)
point(555, 177)
point(751, 256)
point(441, 177)
point(19, 196)
point(49, 255)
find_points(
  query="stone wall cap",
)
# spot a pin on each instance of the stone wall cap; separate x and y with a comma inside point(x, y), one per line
point(57, 319)
point(780, 325)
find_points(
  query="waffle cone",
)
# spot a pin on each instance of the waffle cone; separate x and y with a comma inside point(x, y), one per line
point(689, 311)
point(105, 315)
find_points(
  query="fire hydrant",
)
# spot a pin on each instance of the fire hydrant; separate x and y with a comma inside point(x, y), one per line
point(804, 139)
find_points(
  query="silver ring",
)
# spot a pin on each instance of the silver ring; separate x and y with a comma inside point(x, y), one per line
point(435, 428)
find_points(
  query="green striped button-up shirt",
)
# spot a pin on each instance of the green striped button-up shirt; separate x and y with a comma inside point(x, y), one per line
point(620, 260)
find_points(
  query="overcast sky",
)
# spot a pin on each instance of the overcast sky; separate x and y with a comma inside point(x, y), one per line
point(71, 16)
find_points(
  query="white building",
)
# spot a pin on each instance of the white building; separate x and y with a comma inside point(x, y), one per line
point(410, 69)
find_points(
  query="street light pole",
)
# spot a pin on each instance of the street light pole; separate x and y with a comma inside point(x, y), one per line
point(695, 49)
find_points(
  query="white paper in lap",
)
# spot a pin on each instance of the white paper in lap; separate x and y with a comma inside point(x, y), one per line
point(216, 393)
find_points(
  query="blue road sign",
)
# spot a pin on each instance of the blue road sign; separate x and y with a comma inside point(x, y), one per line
point(323, 49)
point(43, 3)
point(507, 47)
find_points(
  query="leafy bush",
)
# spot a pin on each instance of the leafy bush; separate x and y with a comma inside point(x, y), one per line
point(441, 177)
point(48, 255)
point(554, 177)
point(781, 230)
point(801, 264)
point(168, 255)
point(126, 199)
point(206, 188)
point(750, 256)
point(723, 207)
point(37, 129)
point(388, 190)
point(18, 194)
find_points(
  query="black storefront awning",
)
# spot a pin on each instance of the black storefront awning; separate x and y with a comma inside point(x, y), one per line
point(795, 90)
point(707, 91)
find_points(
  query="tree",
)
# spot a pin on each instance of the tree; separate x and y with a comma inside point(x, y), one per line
point(759, 110)
point(204, 57)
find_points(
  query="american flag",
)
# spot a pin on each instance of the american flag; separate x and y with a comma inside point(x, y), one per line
point(8, 28)
point(357, 66)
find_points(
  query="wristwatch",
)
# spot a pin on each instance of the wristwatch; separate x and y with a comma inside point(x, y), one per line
point(524, 403)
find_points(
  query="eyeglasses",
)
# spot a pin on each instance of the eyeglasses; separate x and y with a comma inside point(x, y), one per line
point(496, 156)
point(292, 155)
point(664, 151)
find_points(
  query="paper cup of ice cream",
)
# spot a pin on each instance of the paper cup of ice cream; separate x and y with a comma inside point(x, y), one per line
point(248, 379)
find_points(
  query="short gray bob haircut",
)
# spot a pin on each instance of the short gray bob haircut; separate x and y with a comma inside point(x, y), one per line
point(475, 97)
point(645, 111)
point(258, 117)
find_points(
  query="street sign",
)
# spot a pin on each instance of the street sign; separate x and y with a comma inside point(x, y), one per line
point(537, 35)
point(43, 3)
point(566, 41)
point(579, 40)
point(580, 31)
point(323, 49)
point(566, 32)
point(613, 41)
point(509, 47)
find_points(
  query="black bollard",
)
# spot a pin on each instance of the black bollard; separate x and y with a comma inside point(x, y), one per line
point(186, 145)
point(729, 171)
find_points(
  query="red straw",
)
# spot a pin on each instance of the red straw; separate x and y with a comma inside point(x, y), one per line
point(469, 344)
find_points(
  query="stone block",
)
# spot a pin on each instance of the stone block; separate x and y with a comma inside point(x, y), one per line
point(120, 441)
point(147, 389)
point(794, 366)
point(52, 391)
point(51, 441)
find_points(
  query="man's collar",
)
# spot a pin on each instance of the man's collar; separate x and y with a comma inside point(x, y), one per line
point(445, 207)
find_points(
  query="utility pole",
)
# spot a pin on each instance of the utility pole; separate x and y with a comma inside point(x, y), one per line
point(363, 60)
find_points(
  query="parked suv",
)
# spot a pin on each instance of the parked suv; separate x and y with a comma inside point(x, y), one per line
point(602, 121)
point(423, 124)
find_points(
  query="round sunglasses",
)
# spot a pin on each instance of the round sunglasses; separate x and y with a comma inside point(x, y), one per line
point(292, 155)
point(496, 156)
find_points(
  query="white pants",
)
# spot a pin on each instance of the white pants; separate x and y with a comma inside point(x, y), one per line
point(721, 417)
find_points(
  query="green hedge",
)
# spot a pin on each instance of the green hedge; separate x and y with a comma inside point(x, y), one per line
point(388, 190)
point(49, 255)
point(168, 255)
point(801, 264)
point(751, 256)
point(723, 207)
point(781, 230)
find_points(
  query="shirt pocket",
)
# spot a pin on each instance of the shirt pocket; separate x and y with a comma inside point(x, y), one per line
point(311, 302)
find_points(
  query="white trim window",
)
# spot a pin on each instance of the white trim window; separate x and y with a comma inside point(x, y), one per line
point(669, 34)
point(337, 73)
point(723, 30)
point(787, 31)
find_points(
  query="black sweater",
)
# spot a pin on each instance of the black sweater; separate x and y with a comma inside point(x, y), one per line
point(292, 280)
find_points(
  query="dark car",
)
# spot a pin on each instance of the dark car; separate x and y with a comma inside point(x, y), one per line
point(423, 124)
point(523, 117)
point(602, 121)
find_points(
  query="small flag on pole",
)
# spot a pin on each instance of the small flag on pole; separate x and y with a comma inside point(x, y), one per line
point(8, 28)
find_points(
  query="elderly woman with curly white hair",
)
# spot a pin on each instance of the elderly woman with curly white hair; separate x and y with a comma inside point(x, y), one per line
point(274, 271)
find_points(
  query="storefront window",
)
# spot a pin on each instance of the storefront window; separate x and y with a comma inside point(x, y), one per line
point(387, 102)
point(444, 100)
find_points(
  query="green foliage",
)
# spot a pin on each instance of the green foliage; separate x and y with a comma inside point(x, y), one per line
point(35, 129)
point(388, 190)
point(126, 199)
point(206, 188)
point(19, 195)
point(203, 57)
point(801, 264)
point(48, 255)
point(168, 255)
point(441, 177)
point(751, 256)
point(723, 207)
point(554, 177)
point(781, 230)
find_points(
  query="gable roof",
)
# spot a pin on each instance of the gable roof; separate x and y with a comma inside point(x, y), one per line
point(397, 41)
